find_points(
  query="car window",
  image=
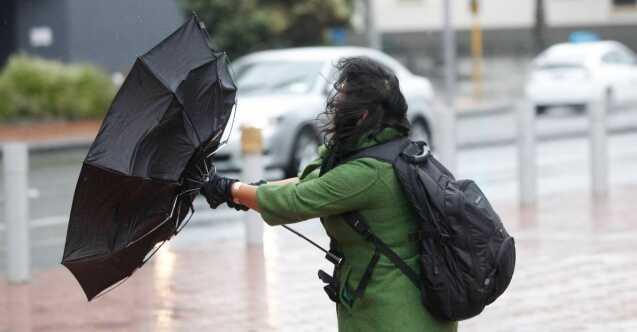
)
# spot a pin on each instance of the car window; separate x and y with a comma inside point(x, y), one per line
point(277, 77)
point(557, 66)
point(628, 57)
point(610, 58)
point(564, 54)
point(618, 57)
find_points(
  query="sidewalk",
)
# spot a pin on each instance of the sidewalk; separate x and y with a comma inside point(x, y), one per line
point(575, 272)
point(86, 130)
point(33, 132)
point(49, 136)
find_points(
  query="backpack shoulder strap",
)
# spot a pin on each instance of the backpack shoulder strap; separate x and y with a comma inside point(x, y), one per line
point(388, 151)
point(358, 224)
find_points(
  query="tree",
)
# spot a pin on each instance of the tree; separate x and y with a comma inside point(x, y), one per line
point(243, 26)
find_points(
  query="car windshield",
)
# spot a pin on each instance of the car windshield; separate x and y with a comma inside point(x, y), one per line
point(563, 57)
point(277, 77)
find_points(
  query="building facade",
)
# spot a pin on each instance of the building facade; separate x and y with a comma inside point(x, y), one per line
point(507, 25)
point(110, 34)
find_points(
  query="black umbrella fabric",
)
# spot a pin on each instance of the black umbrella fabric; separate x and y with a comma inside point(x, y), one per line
point(149, 158)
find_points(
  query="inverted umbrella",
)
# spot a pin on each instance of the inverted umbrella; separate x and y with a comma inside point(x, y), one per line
point(149, 159)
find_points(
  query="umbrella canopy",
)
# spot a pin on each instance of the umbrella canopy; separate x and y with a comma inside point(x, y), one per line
point(149, 158)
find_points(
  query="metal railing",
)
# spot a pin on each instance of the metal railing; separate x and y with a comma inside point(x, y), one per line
point(15, 159)
point(598, 108)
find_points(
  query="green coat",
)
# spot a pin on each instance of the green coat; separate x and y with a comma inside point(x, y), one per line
point(391, 302)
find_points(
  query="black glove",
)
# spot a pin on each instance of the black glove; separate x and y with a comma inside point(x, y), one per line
point(258, 183)
point(237, 206)
point(218, 191)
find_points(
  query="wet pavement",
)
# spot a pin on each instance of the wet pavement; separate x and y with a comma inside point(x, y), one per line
point(575, 272)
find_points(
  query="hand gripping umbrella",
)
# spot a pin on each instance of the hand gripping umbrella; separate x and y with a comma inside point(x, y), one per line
point(149, 159)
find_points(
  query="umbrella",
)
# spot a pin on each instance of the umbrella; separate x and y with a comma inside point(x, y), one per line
point(149, 159)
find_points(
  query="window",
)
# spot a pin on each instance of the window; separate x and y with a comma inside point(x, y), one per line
point(625, 3)
point(268, 77)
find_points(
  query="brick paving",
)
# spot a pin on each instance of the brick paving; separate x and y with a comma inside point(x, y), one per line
point(47, 131)
point(575, 272)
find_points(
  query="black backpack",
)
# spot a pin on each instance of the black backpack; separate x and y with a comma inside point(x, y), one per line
point(467, 258)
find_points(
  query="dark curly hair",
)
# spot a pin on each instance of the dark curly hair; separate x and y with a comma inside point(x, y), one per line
point(363, 86)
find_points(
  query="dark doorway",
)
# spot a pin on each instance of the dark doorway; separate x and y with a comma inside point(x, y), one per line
point(7, 29)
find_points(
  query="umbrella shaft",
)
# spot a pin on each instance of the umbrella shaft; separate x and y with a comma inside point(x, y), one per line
point(306, 239)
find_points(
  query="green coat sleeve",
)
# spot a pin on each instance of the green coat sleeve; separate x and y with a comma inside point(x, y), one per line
point(344, 188)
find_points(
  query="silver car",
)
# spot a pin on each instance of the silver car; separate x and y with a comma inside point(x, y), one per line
point(283, 91)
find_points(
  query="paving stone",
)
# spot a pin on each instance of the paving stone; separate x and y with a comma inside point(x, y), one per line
point(575, 271)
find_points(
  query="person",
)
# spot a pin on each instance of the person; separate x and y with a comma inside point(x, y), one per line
point(366, 108)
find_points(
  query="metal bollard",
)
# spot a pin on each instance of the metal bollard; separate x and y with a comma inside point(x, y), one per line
point(599, 146)
point(252, 149)
point(445, 137)
point(446, 120)
point(16, 212)
point(527, 163)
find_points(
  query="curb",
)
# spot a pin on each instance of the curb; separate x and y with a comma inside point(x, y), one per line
point(477, 112)
point(58, 146)
point(84, 143)
point(543, 138)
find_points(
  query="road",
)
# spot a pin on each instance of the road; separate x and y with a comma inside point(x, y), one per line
point(486, 155)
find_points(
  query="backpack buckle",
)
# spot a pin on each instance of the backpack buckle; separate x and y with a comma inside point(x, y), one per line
point(331, 289)
point(418, 156)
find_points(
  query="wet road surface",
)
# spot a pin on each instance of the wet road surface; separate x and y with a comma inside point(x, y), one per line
point(575, 272)
point(575, 269)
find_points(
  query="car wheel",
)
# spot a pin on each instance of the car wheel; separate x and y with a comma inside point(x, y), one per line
point(304, 151)
point(419, 131)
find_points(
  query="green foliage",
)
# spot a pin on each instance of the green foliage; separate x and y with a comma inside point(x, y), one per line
point(32, 88)
point(243, 26)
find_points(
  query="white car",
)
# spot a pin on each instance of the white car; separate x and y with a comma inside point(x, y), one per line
point(283, 91)
point(571, 74)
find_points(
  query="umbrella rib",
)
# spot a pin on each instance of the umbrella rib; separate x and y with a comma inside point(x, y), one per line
point(234, 115)
point(119, 283)
point(193, 180)
point(158, 76)
point(155, 250)
point(192, 126)
point(167, 86)
point(163, 221)
point(200, 171)
point(191, 212)
point(172, 210)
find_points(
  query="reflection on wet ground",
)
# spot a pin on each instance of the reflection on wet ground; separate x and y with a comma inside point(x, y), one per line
point(575, 272)
point(575, 265)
